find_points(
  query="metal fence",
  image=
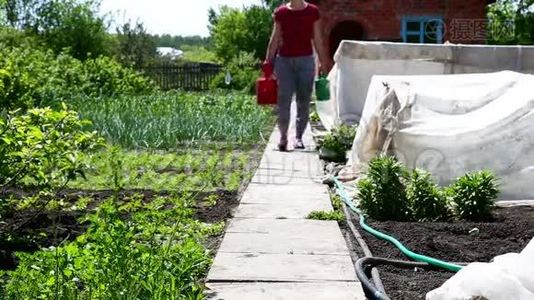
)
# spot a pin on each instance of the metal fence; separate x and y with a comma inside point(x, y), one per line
point(191, 77)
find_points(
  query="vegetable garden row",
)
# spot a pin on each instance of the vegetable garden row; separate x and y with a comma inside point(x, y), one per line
point(109, 188)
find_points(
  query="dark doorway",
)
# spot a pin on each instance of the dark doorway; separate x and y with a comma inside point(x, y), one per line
point(346, 30)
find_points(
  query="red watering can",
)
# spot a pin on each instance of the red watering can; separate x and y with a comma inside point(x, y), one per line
point(266, 86)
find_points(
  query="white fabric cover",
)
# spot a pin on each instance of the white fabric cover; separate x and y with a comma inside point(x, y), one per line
point(453, 124)
point(508, 276)
point(356, 62)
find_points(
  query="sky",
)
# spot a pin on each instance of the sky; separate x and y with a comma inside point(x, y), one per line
point(175, 17)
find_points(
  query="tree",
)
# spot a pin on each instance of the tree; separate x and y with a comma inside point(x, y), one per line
point(236, 30)
point(60, 24)
point(136, 46)
point(511, 22)
point(259, 23)
point(18, 13)
point(166, 40)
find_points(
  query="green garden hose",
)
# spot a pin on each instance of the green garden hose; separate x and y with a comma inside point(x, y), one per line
point(415, 256)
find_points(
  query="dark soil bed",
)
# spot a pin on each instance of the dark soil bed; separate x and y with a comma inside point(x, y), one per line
point(31, 229)
point(510, 231)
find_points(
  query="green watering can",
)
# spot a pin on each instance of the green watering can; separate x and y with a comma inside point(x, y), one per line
point(322, 88)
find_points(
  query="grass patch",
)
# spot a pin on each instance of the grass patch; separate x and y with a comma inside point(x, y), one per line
point(173, 119)
point(336, 215)
point(164, 171)
point(326, 216)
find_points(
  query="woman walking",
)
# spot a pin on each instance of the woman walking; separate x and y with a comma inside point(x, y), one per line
point(296, 30)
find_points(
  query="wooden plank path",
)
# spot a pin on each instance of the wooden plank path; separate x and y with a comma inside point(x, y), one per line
point(270, 250)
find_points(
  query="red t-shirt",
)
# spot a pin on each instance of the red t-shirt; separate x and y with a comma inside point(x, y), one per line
point(297, 29)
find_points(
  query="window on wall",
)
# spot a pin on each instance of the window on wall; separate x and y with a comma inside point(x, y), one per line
point(424, 29)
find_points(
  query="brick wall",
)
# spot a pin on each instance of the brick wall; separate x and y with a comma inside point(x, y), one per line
point(382, 19)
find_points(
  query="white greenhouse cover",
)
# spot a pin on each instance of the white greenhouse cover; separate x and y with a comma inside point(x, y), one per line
point(453, 124)
point(357, 62)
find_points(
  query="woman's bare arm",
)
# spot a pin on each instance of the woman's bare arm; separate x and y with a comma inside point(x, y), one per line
point(326, 62)
point(274, 42)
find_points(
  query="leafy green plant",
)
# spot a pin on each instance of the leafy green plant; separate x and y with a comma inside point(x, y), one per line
point(428, 202)
point(116, 165)
point(336, 215)
point(211, 200)
point(43, 148)
point(155, 254)
point(474, 195)
point(345, 135)
point(336, 202)
point(115, 168)
point(326, 216)
point(214, 229)
point(331, 149)
point(314, 117)
point(336, 143)
point(382, 192)
point(82, 203)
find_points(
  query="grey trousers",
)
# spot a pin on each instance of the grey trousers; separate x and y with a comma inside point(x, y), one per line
point(295, 76)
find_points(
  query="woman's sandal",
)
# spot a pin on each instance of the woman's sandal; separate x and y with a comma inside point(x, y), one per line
point(299, 144)
point(282, 146)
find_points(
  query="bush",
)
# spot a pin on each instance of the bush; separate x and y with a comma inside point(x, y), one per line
point(382, 193)
point(428, 201)
point(244, 72)
point(474, 195)
point(105, 76)
point(11, 37)
point(29, 77)
point(330, 149)
point(345, 135)
point(43, 148)
point(32, 77)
